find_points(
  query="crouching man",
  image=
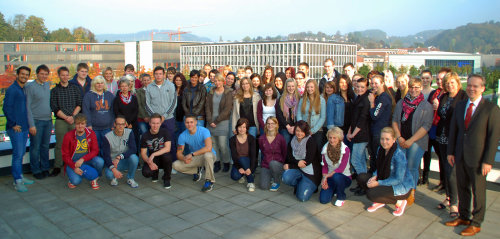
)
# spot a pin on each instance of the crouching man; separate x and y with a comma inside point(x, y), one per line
point(118, 151)
point(79, 153)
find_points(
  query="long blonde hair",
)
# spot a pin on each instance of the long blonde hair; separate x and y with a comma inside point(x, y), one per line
point(240, 95)
point(316, 103)
point(407, 79)
point(286, 94)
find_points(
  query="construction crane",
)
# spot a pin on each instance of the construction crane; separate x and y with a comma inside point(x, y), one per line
point(192, 26)
point(170, 34)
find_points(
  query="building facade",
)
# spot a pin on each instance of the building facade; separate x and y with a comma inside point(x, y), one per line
point(280, 55)
point(437, 58)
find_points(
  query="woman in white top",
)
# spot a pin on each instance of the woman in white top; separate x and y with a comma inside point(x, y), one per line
point(267, 106)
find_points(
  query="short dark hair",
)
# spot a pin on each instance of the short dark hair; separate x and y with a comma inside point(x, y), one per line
point(61, 69)
point(193, 116)
point(171, 70)
point(129, 67)
point(80, 118)
point(362, 79)
point(82, 65)
point(347, 65)
point(144, 75)
point(159, 68)
point(213, 71)
point(155, 115)
point(304, 64)
point(42, 67)
point(444, 69)
point(18, 70)
point(194, 73)
point(304, 126)
point(120, 117)
point(240, 122)
point(231, 73)
point(249, 68)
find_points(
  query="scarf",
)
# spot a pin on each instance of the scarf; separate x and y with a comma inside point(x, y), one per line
point(410, 105)
point(126, 99)
point(333, 152)
point(290, 103)
point(383, 163)
point(436, 95)
point(299, 148)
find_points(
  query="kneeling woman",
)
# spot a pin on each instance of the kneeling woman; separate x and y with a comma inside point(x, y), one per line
point(303, 163)
point(336, 170)
point(244, 154)
point(392, 181)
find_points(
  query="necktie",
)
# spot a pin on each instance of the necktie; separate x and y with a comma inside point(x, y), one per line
point(468, 115)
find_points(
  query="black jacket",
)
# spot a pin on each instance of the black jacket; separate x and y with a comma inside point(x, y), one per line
point(360, 117)
point(322, 82)
point(198, 101)
point(252, 151)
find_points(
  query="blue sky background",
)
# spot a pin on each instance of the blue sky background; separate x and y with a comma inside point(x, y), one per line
point(235, 19)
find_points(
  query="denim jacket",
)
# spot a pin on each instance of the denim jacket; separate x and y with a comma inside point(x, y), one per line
point(335, 111)
point(401, 179)
point(317, 120)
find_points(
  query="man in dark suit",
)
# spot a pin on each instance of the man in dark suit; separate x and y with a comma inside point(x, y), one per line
point(473, 128)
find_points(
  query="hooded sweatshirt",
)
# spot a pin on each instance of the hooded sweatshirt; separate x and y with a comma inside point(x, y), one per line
point(99, 110)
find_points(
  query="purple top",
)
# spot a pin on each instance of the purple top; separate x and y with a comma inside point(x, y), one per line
point(343, 163)
point(272, 151)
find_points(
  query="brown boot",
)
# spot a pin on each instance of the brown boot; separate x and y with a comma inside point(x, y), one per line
point(470, 231)
point(411, 198)
point(457, 222)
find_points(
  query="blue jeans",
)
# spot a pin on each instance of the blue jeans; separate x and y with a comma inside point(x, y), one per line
point(358, 157)
point(253, 131)
point(304, 186)
point(414, 156)
point(100, 138)
point(18, 141)
point(129, 164)
point(336, 185)
point(39, 146)
point(200, 123)
point(288, 137)
point(245, 164)
point(91, 170)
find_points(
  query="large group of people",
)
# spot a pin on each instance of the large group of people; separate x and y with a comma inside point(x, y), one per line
point(313, 135)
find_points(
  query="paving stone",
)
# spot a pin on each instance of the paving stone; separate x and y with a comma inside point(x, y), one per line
point(172, 225)
point(199, 215)
point(223, 207)
point(359, 227)
point(6, 231)
point(179, 207)
point(244, 216)
point(151, 216)
point(106, 215)
point(40, 229)
point(221, 225)
point(245, 232)
point(143, 232)
point(194, 233)
point(244, 200)
point(393, 229)
point(287, 200)
point(50, 206)
point(159, 199)
point(293, 232)
point(93, 232)
point(266, 207)
point(290, 216)
point(270, 225)
point(70, 225)
point(123, 225)
point(438, 230)
point(224, 192)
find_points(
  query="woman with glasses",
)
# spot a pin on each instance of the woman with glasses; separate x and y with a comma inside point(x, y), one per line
point(273, 148)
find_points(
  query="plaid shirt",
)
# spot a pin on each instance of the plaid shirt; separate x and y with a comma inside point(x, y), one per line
point(65, 99)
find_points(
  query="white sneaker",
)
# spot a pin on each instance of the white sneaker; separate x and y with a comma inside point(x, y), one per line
point(251, 187)
point(174, 171)
point(132, 183)
point(339, 203)
point(241, 180)
point(114, 182)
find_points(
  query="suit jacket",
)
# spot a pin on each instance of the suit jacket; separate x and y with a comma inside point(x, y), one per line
point(477, 144)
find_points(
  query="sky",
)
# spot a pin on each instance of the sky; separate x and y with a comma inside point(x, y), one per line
point(235, 19)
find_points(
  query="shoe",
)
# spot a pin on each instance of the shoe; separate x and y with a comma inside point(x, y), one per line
point(19, 186)
point(375, 206)
point(46, 173)
point(94, 184)
point(132, 183)
point(274, 187)
point(411, 199)
point(55, 172)
point(226, 168)
point(339, 203)
point(438, 188)
point(114, 182)
point(444, 204)
point(400, 209)
point(154, 179)
point(354, 189)
point(70, 185)
point(360, 192)
point(241, 180)
point(174, 171)
point(216, 167)
point(208, 186)
point(166, 184)
point(197, 176)
point(470, 231)
point(251, 187)
point(39, 176)
point(457, 222)
point(27, 181)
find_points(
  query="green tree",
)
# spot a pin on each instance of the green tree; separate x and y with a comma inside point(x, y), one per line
point(34, 29)
point(414, 71)
point(61, 35)
point(82, 34)
point(247, 39)
point(393, 69)
point(18, 24)
point(364, 70)
point(6, 30)
point(403, 70)
point(379, 68)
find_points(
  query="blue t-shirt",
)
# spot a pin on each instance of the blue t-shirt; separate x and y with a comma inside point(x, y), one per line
point(82, 147)
point(195, 141)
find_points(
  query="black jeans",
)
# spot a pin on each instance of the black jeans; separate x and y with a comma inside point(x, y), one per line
point(450, 179)
point(163, 161)
point(379, 194)
point(427, 160)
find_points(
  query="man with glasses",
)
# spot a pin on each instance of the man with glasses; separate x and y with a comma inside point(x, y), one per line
point(331, 74)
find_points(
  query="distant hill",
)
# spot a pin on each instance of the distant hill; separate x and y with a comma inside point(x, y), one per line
point(146, 35)
point(473, 37)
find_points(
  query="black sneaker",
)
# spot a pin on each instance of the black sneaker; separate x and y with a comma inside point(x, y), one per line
point(166, 184)
point(226, 168)
point(208, 186)
point(197, 176)
point(354, 189)
point(39, 176)
point(55, 172)
point(46, 173)
point(216, 167)
point(360, 192)
point(154, 179)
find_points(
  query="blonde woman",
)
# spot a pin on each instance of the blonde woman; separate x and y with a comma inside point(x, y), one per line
point(111, 84)
point(287, 110)
point(273, 147)
point(402, 84)
point(312, 109)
